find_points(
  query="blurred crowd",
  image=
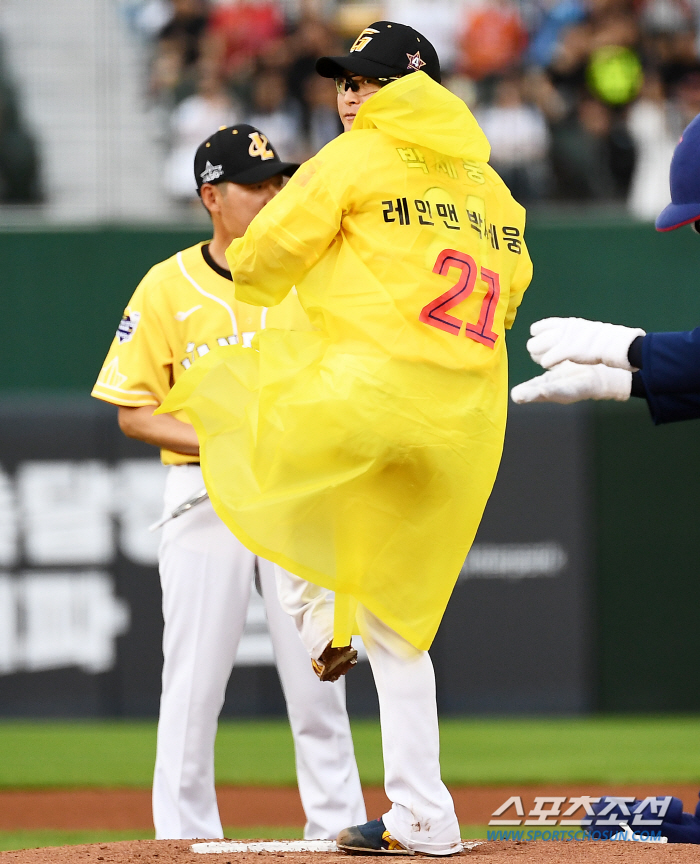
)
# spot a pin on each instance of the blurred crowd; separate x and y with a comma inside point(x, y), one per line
point(215, 64)
point(582, 100)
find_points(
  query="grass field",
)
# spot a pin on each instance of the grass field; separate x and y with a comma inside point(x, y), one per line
point(597, 749)
point(483, 752)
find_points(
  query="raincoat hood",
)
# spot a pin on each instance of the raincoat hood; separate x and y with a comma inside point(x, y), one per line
point(421, 111)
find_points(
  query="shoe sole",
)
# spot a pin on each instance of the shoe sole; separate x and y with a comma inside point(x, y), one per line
point(356, 850)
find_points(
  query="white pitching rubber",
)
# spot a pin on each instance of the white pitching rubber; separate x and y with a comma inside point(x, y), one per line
point(228, 846)
point(265, 846)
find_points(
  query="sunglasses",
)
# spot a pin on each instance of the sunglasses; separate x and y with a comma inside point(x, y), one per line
point(343, 83)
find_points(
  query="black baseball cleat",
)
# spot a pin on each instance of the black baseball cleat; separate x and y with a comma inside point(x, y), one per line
point(334, 662)
point(372, 838)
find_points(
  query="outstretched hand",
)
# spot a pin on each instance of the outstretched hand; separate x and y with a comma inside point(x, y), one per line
point(573, 382)
point(557, 339)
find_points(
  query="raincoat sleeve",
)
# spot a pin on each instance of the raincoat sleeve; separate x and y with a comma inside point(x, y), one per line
point(521, 279)
point(288, 236)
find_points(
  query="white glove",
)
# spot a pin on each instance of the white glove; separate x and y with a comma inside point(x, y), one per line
point(572, 382)
point(580, 340)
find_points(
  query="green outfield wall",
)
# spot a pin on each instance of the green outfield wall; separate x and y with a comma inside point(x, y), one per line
point(646, 510)
point(63, 293)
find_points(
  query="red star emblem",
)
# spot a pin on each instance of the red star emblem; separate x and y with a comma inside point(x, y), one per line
point(414, 61)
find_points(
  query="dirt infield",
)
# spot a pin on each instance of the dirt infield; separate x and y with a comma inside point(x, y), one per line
point(125, 809)
point(178, 852)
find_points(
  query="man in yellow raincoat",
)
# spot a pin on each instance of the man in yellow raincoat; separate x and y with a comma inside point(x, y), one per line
point(359, 456)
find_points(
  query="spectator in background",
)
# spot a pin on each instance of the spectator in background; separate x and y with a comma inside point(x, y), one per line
point(322, 105)
point(669, 41)
point(178, 47)
point(195, 119)
point(313, 38)
point(567, 68)
point(654, 130)
point(547, 35)
point(438, 20)
point(492, 41)
point(612, 22)
point(519, 141)
point(608, 23)
point(687, 98)
point(659, 17)
point(593, 155)
point(272, 111)
point(238, 32)
point(681, 59)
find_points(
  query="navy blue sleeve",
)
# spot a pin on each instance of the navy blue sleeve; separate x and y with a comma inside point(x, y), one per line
point(672, 407)
point(671, 362)
point(670, 374)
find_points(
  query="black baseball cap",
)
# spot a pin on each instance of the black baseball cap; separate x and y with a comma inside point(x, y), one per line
point(385, 49)
point(241, 154)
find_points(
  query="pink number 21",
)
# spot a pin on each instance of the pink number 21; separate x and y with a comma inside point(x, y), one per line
point(436, 312)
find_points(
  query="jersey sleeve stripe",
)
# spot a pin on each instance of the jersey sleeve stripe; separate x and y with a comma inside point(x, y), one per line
point(122, 400)
point(127, 392)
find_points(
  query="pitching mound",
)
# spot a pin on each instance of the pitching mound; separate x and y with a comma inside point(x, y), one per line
point(179, 852)
point(249, 806)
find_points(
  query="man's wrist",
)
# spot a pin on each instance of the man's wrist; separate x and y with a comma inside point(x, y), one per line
point(634, 353)
point(638, 388)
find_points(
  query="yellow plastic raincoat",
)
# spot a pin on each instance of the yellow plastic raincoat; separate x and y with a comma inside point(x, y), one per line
point(360, 455)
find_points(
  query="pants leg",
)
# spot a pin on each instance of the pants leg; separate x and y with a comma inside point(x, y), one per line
point(329, 783)
point(422, 816)
point(311, 608)
point(206, 576)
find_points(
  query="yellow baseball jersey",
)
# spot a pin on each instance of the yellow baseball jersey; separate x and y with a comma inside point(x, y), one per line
point(182, 308)
point(360, 456)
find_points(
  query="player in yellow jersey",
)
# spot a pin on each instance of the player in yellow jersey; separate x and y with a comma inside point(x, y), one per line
point(184, 308)
point(359, 456)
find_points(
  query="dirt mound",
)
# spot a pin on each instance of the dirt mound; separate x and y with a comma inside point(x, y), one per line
point(178, 852)
point(241, 806)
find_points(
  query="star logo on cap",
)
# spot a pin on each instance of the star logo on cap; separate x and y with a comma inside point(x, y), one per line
point(414, 61)
point(211, 172)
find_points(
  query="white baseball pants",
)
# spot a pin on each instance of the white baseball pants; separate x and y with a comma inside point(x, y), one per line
point(422, 815)
point(206, 576)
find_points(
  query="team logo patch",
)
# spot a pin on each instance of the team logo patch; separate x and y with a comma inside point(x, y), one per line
point(363, 39)
point(127, 326)
point(211, 172)
point(414, 61)
point(260, 146)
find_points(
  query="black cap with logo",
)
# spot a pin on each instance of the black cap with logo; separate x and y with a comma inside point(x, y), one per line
point(241, 154)
point(384, 50)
